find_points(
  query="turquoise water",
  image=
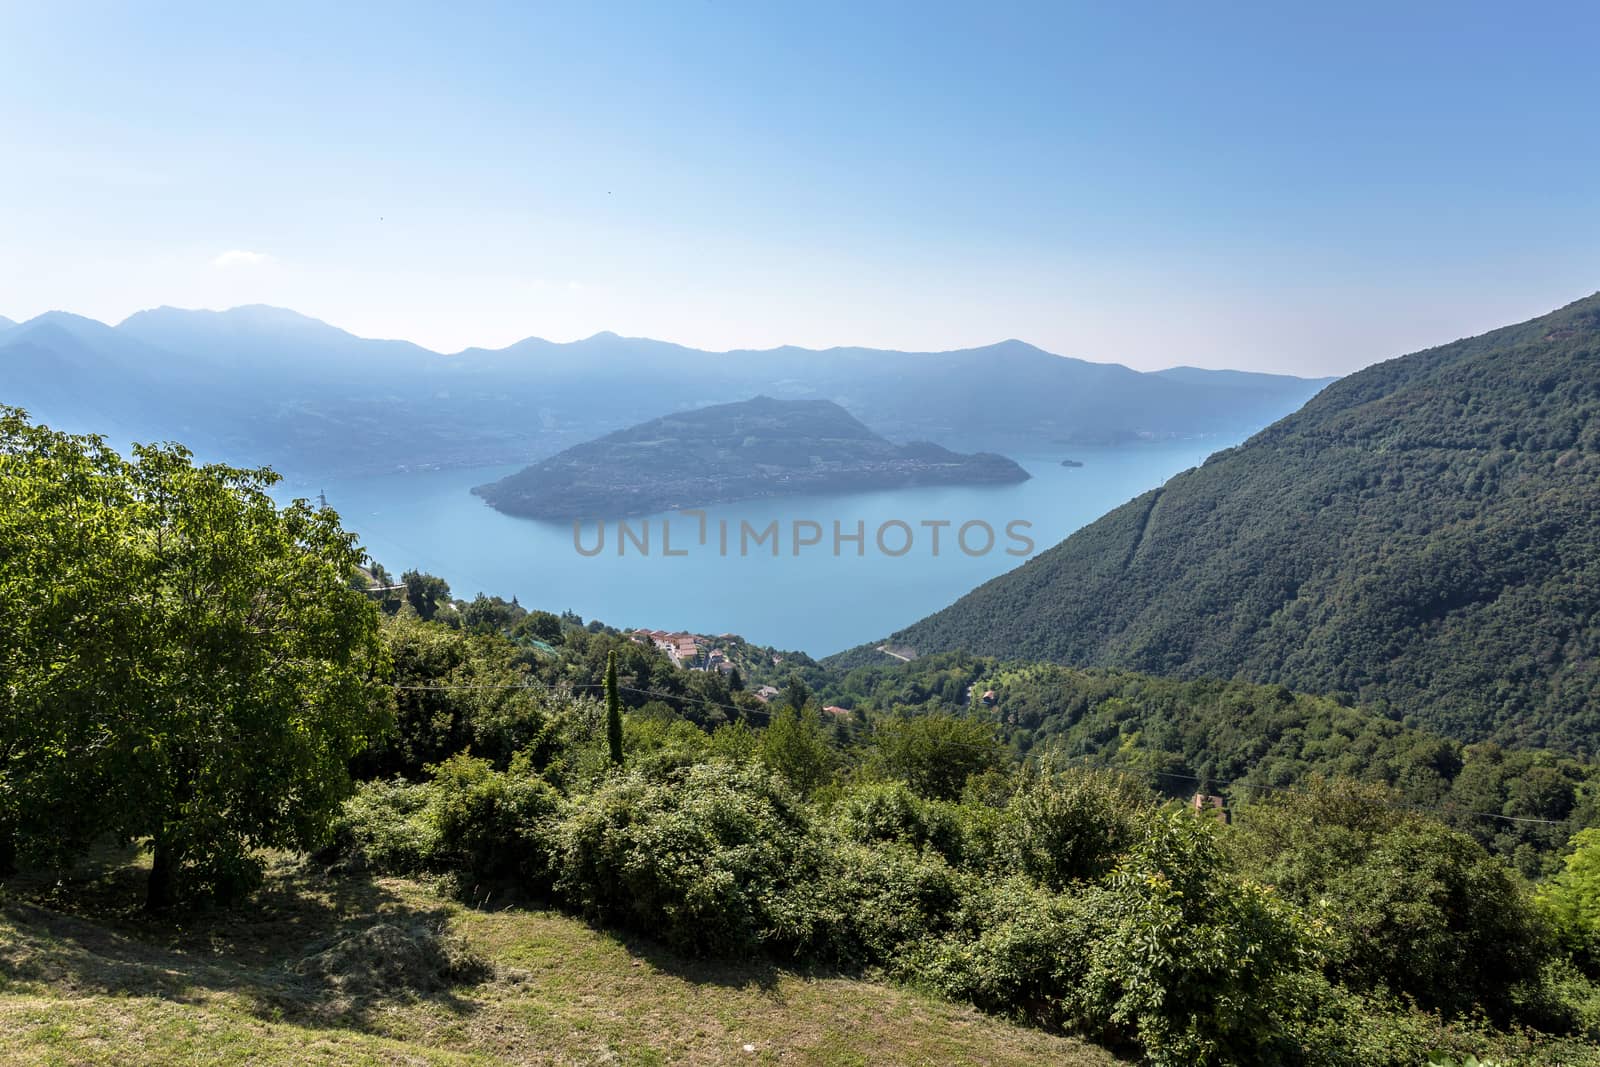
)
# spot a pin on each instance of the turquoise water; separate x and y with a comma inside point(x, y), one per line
point(814, 601)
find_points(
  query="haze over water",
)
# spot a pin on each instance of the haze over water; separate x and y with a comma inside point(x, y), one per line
point(816, 602)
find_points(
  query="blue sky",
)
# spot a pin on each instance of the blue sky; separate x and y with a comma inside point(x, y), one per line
point(1252, 187)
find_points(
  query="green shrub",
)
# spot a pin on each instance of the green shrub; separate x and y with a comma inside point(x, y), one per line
point(865, 904)
point(734, 742)
point(659, 743)
point(1194, 964)
point(695, 859)
point(937, 753)
point(1337, 1028)
point(1071, 826)
point(457, 691)
point(795, 745)
point(469, 820)
point(965, 834)
point(1017, 950)
point(382, 826)
point(491, 825)
point(1169, 953)
point(1415, 908)
point(1571, 901)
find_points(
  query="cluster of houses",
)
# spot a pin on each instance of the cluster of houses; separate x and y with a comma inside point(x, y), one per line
point(690, 651)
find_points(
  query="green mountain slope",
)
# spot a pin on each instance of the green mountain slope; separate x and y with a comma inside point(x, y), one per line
point(756, 448)
point(1423, 536)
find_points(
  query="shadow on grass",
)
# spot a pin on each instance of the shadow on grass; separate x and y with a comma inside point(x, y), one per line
point(753, 971)
point(749, 971)
point(318, 950)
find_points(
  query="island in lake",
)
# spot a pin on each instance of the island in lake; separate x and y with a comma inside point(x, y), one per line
point(729, 452)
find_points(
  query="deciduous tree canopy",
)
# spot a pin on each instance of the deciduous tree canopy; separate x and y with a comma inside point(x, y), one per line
point(180, 658)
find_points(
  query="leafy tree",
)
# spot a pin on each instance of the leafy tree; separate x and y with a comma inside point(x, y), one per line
point(69, 632)
point(491, 614)
point(542, 625)
point(613, 711)
point(457, 690)
point(1571, 900)
point(425, 592)
point(185, 661)
point(935, 754)
point(796, 694)
point(795, 746)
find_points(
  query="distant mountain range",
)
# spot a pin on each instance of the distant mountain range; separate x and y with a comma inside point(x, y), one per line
point(1422, 537)
point(742, 451)
point(265, 385)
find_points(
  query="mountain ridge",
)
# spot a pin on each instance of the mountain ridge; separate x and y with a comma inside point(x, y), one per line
point(258, 384)
point(278, 314)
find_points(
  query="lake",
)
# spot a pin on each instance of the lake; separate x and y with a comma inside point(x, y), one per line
point(806, 597)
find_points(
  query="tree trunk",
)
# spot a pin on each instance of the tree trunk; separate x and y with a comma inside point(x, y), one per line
point(8, 853)
point(163, 889)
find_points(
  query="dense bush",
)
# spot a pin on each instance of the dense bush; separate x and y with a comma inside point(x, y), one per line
point(795, 746)
point(1017, 949)
point(937, 753)
point(863, 905)
point(1188, 959)
point(383, 826)
point(492, 825)
point(468, 820)
point(964, 834)
point(1071, 826)
point(1414, 907)
point(457, 691)
point(695, 859)
point(1170, 953)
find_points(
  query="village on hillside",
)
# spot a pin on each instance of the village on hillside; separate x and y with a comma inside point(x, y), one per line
point(727, 654)
point(694, 652)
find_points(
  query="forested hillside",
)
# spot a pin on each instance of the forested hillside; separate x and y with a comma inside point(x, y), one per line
point(1240, 740)
point(1420, 538)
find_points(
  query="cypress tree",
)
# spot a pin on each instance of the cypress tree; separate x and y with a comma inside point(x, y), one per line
point(613, 709)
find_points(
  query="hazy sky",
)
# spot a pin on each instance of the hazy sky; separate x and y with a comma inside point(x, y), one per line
point(1194, 183)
